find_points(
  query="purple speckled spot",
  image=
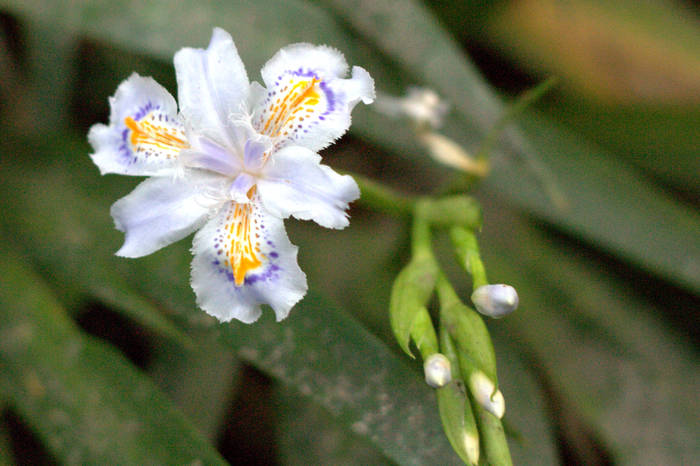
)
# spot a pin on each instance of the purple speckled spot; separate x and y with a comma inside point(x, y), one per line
point(143, 111)
point(266, 276)
point(330, 97)
point(250, 279)
point(274, 255)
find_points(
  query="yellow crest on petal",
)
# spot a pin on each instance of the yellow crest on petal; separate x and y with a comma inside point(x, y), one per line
point(240, 241)
point(290, 104)
point(152, 135)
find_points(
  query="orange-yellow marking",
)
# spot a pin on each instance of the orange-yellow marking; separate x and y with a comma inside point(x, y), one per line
point(302, 94)
point(145, 132)
point(242, 255)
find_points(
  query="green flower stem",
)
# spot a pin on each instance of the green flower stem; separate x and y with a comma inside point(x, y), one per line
point(459, 210)
point(458, 183)
point(421, 244)
point(448, 296)
point(467, 251)
point(443, 212)
point(455, 411)
point(462, 182)
point(377, 196)
point(494, 446)
point(521, 103)
point(423, 334)
point(467, 329)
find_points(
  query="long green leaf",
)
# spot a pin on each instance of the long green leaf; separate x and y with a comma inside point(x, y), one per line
point(610, 205)
point(528, 422)
point(661, 139)
point(34, 201)
point(200, 380)
point(630, 370)
point(307, 434)
point(605, 194)
point(86, 402)
point(327, 355)
point(319, 350)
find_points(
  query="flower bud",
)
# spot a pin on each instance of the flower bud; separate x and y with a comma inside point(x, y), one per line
point(495, 300)
point(450, 153)
point(437, 369)
point(486, 394)
point(422, 106)
point(411, 290)
point(471, 446)
point(455, 410)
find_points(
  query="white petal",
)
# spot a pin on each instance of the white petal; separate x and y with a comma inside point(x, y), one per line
point(144, 136)
point(325, 61)
point(212, 86)
point(236, 269)
point(307, 103)
point(161, 211)
point(359, 87)
point(296, 183)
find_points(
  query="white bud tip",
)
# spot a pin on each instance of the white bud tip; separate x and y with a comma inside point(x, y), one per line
point(471, 446)
point(438, 372)
point(495, 300)
point(486, 395)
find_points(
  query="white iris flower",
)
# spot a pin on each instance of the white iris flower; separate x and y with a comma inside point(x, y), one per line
point(236, 160)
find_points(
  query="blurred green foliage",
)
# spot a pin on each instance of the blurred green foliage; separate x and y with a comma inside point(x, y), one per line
point(599, 364)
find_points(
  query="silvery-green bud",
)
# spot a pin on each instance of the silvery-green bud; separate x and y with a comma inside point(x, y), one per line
point(486, 395)
point(437, 369)
point(495, 300)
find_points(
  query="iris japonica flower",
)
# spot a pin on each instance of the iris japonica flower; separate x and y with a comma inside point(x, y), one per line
point(236, 160)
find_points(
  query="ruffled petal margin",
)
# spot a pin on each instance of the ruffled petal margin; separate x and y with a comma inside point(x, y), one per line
point(296, 183)
point(307, 102)
point(243, 259)
point(163, 210)
point(144, 135)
